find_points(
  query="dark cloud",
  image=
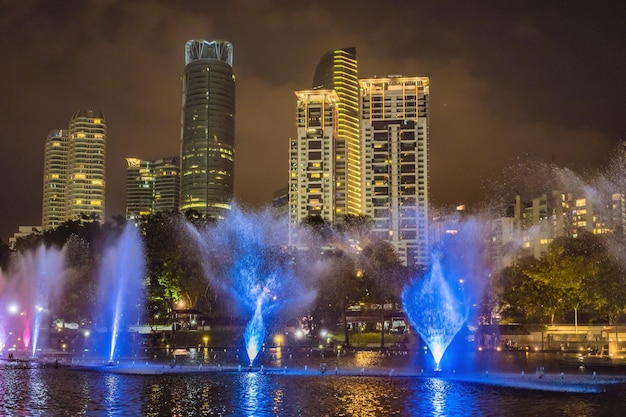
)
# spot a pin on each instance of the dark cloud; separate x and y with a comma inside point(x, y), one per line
point(509, 79)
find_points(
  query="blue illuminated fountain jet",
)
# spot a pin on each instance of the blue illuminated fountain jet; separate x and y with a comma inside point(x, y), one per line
point(121, 291)
point(244, 257)
point(438, 303)
point(433, 308)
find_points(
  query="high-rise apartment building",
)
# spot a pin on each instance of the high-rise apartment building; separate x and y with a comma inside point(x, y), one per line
point(337, 70)
point(394, 135)
point(86, 166)
point(311, 157)
point(208, 128)
point(54, 179)
point(151, 186)
point(74, 171)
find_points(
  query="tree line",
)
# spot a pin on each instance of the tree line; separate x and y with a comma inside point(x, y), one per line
point(578, 279)
point(371, 275)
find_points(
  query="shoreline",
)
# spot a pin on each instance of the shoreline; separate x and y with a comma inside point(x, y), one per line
point(550, 382)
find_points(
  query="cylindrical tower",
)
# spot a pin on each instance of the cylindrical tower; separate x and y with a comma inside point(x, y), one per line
point(208, 128)
point(86, 166)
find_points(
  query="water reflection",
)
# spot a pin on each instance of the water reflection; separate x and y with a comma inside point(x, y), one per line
point(39, 392)
point(438, 393)
point(254, 395)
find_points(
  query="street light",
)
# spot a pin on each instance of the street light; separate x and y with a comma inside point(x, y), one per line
point(13, 308)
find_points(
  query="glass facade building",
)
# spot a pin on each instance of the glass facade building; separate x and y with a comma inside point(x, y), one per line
point(208, 128)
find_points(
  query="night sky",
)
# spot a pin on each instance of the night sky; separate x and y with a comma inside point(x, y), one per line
point(509, 80)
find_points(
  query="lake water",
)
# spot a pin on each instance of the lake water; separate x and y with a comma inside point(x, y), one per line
point(66, 391)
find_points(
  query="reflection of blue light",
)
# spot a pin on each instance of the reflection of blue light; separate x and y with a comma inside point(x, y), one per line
point(438, 389)
point(255, 398)
point(120, 396)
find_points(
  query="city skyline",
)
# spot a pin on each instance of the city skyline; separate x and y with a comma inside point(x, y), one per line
point(509, 81)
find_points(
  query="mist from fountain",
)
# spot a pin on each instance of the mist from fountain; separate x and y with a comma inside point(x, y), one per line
point(246, 258)
point(30, 292)
point(121, 290)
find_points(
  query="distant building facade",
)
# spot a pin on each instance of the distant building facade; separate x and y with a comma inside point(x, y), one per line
point(311, 157)
point(139, 189)
point(74, 181)
point(23, 232)
point(152, 186)
point(86, 166)
point(208, 128)
point(395, 138)
point(54, 178)
point(337, 70)
point(280, 203)
point(549, 215)
point(166, 173)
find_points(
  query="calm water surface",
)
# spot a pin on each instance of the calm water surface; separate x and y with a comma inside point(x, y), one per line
point(67, 392)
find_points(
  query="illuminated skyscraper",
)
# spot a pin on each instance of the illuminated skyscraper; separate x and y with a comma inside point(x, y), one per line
point(311, 165)
point(86, 166)
point(337, 70)
point(394, 131)
point(208, 128)
point(54, 179)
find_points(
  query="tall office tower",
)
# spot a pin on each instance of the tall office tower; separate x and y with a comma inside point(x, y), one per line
point(166, 172)
point(208, 128)
point(337, 70)
point(84, 199)
point(311, 165)
point(139, 189)
point(394, 132)
point(54, 179)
